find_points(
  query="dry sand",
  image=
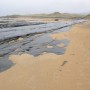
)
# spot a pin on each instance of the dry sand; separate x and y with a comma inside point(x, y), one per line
point(70, 71)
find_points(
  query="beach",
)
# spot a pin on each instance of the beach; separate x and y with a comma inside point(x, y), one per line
point(49, 71)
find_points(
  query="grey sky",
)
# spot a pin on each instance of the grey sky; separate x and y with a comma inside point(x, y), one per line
point(43, 6)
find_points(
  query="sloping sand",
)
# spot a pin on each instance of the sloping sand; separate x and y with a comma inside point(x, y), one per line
point(70, 71)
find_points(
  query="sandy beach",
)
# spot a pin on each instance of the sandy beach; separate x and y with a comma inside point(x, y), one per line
point(70, 71)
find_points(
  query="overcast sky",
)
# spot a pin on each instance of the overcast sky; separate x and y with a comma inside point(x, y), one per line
point(8, 7)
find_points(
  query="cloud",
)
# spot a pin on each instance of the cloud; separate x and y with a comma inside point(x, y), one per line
point(43, 6)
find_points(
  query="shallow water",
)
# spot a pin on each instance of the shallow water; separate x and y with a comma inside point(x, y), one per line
point(35, 43)
point(5, 64)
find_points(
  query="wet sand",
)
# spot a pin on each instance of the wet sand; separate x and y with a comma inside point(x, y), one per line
point(70, 71)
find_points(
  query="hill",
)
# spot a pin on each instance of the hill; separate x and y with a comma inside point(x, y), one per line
point(57, 15)
point(51, 15)
point(87, 17)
